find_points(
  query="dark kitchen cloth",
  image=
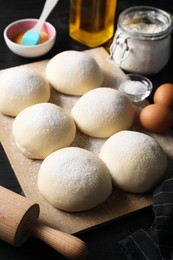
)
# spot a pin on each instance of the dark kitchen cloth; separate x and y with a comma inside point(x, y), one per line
point(155, 243)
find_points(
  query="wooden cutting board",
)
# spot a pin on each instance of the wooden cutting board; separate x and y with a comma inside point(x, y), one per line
point(119, 203)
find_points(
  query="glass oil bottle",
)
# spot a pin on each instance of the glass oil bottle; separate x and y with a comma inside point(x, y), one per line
point(92, 21)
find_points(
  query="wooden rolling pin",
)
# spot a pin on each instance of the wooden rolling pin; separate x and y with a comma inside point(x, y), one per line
point(19, 220)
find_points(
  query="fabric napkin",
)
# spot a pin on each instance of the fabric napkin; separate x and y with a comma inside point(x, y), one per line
point(155, 243)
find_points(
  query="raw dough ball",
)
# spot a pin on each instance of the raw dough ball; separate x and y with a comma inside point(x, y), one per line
point(102, 112)
point(74, 179)
point(73, 73)
point(135, 160)
point(21, 87)
point(41, 129)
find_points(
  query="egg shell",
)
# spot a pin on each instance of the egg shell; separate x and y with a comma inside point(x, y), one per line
point(164, 95)
point(156, 118)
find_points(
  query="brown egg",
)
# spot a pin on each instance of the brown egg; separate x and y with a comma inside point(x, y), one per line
point(156, 118)
point(164, 95)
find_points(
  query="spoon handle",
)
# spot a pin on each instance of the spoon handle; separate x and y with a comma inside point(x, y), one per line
point(48, 7)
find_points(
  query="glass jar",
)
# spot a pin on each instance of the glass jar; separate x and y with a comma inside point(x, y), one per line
point(92, 21)
point(142, 43)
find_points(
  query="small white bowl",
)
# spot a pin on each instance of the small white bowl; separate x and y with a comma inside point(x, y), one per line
point(136, 87)
point(21, 26)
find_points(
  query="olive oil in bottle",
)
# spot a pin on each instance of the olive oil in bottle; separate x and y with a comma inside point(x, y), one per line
point(92, 21)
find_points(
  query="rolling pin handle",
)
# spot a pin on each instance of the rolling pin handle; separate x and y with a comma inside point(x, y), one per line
point(17, 225)
point(66, 244)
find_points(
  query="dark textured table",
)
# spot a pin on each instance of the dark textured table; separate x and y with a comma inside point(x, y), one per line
point(101, 241)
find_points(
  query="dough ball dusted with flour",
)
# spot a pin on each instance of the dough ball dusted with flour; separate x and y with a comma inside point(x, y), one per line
point(102, 112)
point(73, 73)
point(21, 87)
point(135, 160)
point(41, 129)
point(74, 179)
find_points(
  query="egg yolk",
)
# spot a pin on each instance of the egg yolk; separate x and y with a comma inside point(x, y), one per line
point(18, 38)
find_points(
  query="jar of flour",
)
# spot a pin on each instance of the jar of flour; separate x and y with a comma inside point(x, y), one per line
point(142, 42)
